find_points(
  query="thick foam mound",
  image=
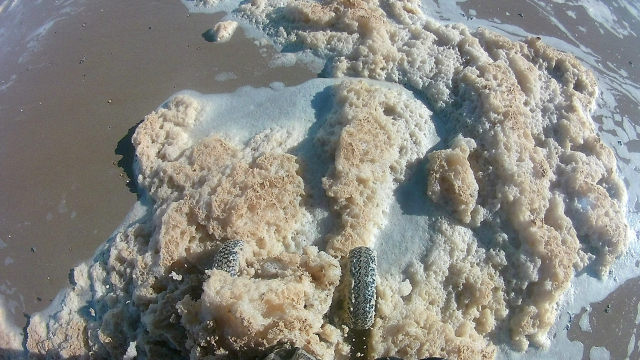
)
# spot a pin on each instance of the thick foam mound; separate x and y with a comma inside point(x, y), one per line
point(153, 285)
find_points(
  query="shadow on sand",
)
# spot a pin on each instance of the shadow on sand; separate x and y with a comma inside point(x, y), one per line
point(126, 149)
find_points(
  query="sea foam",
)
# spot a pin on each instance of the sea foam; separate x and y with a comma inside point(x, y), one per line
point(483, 188)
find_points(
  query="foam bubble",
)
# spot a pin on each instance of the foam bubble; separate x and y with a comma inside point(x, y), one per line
point(224, 30)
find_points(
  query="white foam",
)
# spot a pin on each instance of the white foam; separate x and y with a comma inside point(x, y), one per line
point(584, 320)
point(599, 353)
point(283, 60)
point(602, 14)
point(225, 76)
point(631, 6)
point(131, 351)
point(4, 4)
point(249, 111)
point(632, 344)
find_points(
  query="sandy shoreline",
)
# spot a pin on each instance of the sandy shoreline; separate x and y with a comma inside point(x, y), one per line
point(66, 119)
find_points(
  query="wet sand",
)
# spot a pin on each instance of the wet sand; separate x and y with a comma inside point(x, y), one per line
point(67, 118)
point(613, 323)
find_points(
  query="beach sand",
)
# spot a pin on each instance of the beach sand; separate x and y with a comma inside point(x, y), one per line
point(67, 118)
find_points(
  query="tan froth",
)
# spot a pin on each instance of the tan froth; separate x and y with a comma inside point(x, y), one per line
point(259, 202)
point(163, 137)
point(64, 333)
point(451, 180)
point(67, 340)
point(284, 303)
point(455, 298)
point(375, 133)
point(526, 169)
point(520, 186)
point(219, 191)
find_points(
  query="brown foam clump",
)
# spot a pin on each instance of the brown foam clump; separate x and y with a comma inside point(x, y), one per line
point(255, 196)
point(374, 133)
point(452, 182)
point(62, 333)
point(283, 303)
point(446, 305)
